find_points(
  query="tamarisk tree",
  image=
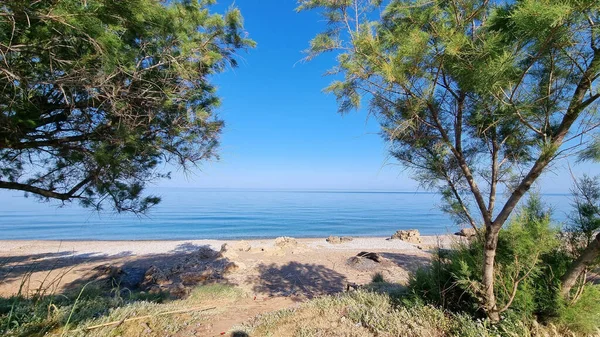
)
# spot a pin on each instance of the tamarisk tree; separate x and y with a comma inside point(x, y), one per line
point(96, 94)
point(474, 96)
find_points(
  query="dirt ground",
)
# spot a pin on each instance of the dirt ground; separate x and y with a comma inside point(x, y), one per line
point(272, 274)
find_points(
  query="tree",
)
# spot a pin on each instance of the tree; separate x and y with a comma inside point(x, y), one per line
point(582, 232)
point(473, 95)
point(97, 94)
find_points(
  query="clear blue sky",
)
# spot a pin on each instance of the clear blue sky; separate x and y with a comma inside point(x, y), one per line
point(283, 132)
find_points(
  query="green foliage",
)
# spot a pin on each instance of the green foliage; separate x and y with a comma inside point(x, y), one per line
point(530, 261)
point(464, 88)
point(377, 278)
point(97, 94)
point(69, 313)
point(470, 95)
point(367, 314)
point(36, 316)
point(584, 220)
point(584, 315)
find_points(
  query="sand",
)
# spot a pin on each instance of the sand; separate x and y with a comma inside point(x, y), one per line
point(121, 248)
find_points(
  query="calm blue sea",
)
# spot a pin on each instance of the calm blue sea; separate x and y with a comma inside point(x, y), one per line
point(188, 213)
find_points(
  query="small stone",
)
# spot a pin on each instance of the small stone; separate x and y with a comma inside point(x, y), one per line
point(334, 240)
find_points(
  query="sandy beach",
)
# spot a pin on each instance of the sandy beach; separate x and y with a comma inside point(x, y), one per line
point(281, 272)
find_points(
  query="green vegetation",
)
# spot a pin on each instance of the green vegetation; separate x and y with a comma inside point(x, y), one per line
point(97, 94)
point(71, 314)
point(530, 262)
point(367, 314)
point(474, 97)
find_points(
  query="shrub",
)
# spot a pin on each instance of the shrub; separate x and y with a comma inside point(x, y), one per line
point(530, 261)
point(377, 278)
point(584, 315)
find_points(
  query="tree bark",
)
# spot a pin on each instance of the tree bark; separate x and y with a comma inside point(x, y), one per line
point(589, 255)
point(489, 254)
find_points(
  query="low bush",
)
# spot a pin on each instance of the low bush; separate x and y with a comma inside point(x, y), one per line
point(529, 263)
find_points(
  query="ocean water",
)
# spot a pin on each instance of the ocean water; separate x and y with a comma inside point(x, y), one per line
point(188, 213)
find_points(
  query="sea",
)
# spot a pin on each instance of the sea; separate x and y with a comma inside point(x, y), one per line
point(194, 213)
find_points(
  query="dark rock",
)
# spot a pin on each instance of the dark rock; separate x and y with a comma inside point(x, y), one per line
point(371, 256)
point(178, 290)
point(155, 275)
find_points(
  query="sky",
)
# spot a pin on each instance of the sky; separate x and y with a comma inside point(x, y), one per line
point(283, 132)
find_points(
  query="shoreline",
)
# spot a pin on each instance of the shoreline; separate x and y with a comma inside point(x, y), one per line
point(233, 238)
point(149, 247)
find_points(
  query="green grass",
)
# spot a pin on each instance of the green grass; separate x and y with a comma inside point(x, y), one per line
point(70, 314)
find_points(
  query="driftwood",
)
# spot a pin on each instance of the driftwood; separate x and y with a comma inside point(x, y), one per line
point(119, 322)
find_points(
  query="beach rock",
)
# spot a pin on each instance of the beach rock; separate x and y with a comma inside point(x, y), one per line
point(467, 232)
point(155, 275)
point(195, 277)
point(285, 242)
point(204, 253)
point(371, 256)
point(154, 290)
point(178, 268)
point(336, 240)
point(178, 290)
point(410, 235)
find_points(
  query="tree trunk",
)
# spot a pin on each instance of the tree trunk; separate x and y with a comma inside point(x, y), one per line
point(489, 255)
point(589, 255)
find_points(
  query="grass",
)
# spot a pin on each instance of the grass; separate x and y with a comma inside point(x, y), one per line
point(72, 313)
point(367, 313)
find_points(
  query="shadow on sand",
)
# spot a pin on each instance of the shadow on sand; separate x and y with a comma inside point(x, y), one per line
point(408, 262)
point(302, 280)
point(125, 268)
